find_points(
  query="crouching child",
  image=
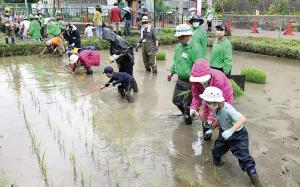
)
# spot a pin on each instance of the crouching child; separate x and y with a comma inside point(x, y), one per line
point(233, 135)
point(126, 82)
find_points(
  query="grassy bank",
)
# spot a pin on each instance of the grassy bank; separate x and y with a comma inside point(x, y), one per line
point(281, 48)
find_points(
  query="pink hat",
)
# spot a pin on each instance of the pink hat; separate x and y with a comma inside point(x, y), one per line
point(200, 71)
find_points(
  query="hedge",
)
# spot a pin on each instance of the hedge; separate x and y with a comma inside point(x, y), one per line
point(282, 48)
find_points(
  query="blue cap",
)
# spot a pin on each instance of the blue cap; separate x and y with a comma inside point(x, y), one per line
point(108, 69)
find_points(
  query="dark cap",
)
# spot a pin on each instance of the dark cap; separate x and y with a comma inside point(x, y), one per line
point(108, 69)
point(221, 27)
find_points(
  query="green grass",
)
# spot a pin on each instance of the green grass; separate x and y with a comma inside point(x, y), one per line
point(237, 91)
point(161, 55)
point(254, 75)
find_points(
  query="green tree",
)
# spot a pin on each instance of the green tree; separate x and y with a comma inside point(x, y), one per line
point(279, 7)
point(20, 1)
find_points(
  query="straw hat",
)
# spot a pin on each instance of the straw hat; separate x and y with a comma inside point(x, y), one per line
point(145, 19)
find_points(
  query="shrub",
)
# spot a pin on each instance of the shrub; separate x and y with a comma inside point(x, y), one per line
point(161, 55)
point(254, 75)
point(237, 91)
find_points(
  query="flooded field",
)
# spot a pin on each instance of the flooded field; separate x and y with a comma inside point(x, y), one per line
point(60, 130)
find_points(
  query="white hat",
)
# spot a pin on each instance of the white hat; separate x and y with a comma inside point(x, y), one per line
point(145, 19)
point(73, 59)
point(212, 94)
point(36, 17)
point(183, 30)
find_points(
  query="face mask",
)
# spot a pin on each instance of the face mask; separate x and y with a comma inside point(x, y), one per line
point(196, 24)
point(220, 33)
point(204, 84)
point(213, 106)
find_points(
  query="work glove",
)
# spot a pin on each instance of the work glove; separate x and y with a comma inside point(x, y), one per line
point(107, 84)
point(227, 134)
point(208, 132)
point(113, 58)
point(194, 113)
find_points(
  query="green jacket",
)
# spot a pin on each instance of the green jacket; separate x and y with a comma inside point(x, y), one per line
point(221, 55)
point(184, 58)
point(53, 29)
point(42, 19)
point(34, 30)
point(200, 35)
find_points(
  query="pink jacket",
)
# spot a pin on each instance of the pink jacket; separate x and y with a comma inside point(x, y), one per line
point(219, 80)
point(89, 58)
point(115, 15)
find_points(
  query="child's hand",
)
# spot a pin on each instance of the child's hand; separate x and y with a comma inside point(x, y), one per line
point(227, 134)
point(102, 87)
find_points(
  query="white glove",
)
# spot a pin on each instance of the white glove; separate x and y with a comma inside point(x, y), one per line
point(113, 58)
point(209, 131)
point(227, 134)
point(193, 113)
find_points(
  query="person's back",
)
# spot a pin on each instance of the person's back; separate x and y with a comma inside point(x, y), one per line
point(35, 30)
point(115, 14)
point(53, 29)
point(200, 35)
point(88, 32)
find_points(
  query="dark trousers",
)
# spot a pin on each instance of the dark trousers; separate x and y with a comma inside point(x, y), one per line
point(209, 25)
point(125, 66)
point(221, 69)
point(238, 144)
point(182, 96)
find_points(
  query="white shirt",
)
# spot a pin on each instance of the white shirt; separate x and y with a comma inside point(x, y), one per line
point(89, 31)
point(209, 17)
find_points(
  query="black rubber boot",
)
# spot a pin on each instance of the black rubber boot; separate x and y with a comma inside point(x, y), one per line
point(254, 179)
point(89, 71)
point(135, 86)
point(206, 136)
point(188, 119)
point(12, 40)
point(121, 91)
point(129, 99)
point(217, 163)
point(6, 40)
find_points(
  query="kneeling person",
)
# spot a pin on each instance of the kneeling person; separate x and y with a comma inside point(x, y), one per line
point(54, 45)
point(86, 58)
point(126, 81)
point(233, 135)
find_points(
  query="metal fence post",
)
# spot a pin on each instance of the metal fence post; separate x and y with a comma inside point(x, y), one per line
point(182, 18)
point(154, 17)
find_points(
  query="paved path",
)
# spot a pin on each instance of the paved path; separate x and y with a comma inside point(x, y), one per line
point(270, 34)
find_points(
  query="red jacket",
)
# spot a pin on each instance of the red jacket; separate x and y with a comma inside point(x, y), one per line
point(115, 15)
point(89, 58)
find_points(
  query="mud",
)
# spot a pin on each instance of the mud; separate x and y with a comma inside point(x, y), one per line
point(95, 138)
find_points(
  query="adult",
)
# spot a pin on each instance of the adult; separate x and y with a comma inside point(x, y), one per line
point(198, 33)
point(121, 52)
point(54, 45)
point(53, 29)
point(85, 58)
point(35, 29)
point(186, 53)
point(203, 76)
point(98, 21)
point(25, 27)
point(144, 10)
point(149, 45)
point(9, 26)
point(115, 17)
point(127, 17)
point(221, 53)
point(72, 35)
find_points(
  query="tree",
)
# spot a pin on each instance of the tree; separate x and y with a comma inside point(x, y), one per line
point(253, 4)
point(20, 1)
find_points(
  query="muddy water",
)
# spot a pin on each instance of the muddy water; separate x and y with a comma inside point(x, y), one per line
point(92, 138)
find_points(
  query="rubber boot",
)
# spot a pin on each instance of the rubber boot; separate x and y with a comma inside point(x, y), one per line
point(154, 70)
point(254, 179)
point(12, 40)
point(135, 86)
point(188, 119)
point(121, 91)
point(6, 40)
point(89, 71)
point(129, 98)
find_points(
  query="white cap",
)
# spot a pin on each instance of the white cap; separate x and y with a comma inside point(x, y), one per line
point(212, 94)
point(48, 43)
point(183, 30)
point(73, 59)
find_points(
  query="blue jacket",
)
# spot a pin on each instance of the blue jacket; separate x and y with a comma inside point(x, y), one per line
point(73, 36)
point(121, 78)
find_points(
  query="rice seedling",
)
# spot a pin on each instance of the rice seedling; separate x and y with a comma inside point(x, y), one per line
point(185, 94)
point(254, 75)
point(73, 163)
point(90, 182)
point(82, 178)
point(161, 55)
point(237, 91)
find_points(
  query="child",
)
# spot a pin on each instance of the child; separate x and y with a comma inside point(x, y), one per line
point(88, 32)
point(127, 82)
point(233, 135)
point(9, 26)
point(86, 58)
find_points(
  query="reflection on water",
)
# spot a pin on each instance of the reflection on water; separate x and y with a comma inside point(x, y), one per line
point(88, 137)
